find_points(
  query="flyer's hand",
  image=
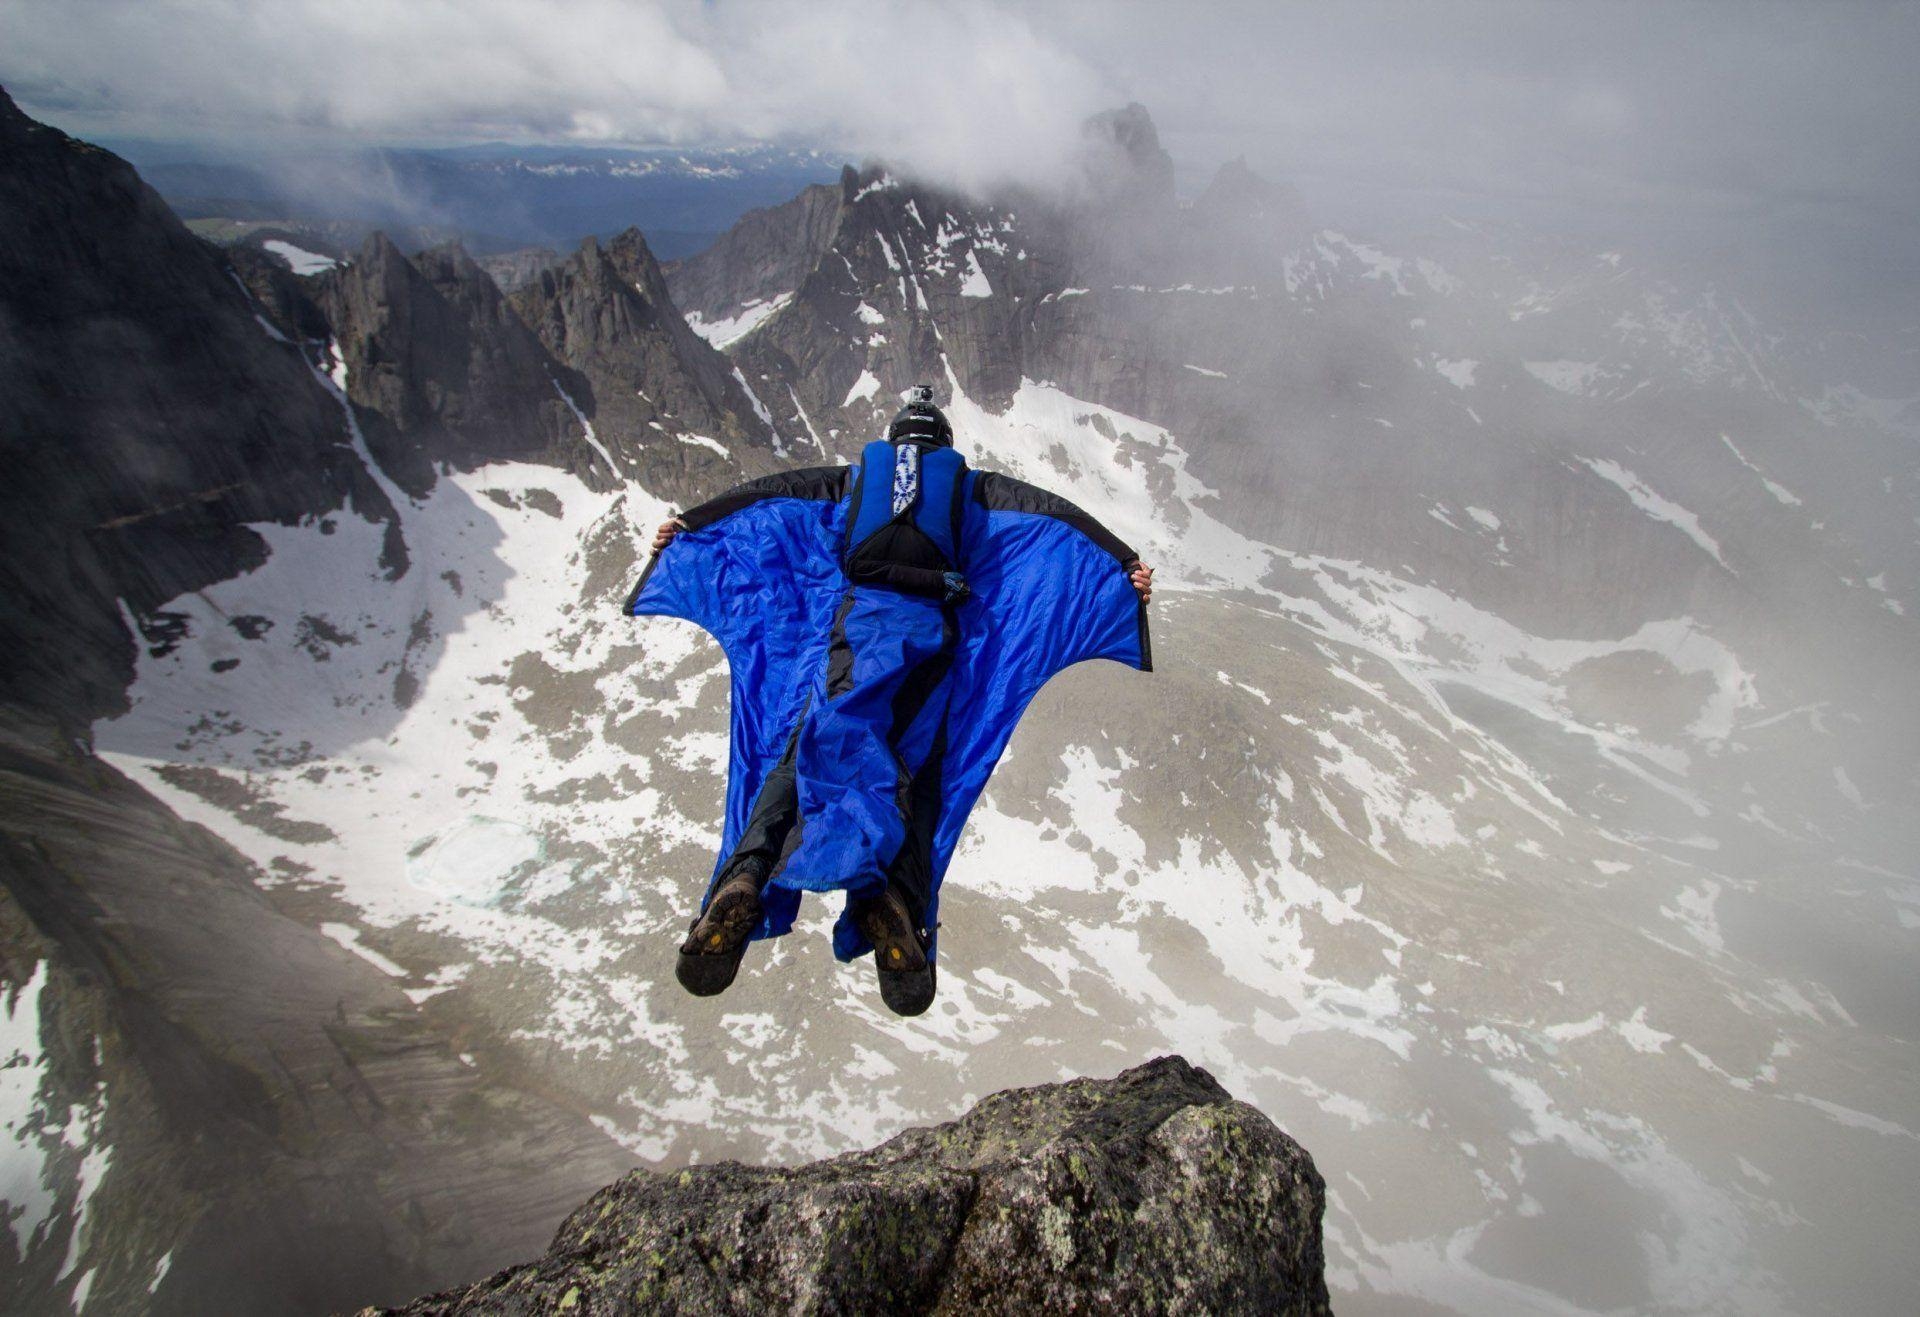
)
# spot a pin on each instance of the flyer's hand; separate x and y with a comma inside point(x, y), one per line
point(1142, 578)
point(669, 528)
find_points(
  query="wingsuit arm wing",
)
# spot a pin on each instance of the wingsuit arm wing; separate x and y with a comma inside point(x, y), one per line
point(1050, 589)
point(1025, 545)
point(804, 495)
point(758, 569)
point(1002, 493)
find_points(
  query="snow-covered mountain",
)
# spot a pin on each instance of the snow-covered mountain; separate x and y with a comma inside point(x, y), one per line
point(1519, 812)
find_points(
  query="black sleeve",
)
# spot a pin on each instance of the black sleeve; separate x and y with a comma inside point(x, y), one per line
point(998, 493)
point(828, 483)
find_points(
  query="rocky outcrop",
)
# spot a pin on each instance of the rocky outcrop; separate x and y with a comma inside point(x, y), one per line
point(1121, 162)
point(1244, 226)
point(1151, 1192)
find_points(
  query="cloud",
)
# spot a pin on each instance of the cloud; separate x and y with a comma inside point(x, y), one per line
point(1785, 130)
point(968, 91)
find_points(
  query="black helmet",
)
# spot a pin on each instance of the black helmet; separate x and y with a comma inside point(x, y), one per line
point(920, 422)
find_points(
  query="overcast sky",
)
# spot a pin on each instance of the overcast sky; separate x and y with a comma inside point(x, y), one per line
point(1800, 119)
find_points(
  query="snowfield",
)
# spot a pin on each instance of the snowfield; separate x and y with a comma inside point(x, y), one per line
point(1354, 847)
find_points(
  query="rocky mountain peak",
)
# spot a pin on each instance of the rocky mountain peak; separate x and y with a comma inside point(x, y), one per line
point(630, 255)
point(12, 118)
point(1243, 226)
point(435, 366)
point(602, 280)
point(660, 399)
point(1121, 157)
point(1154, 1191)
point(1239, 192)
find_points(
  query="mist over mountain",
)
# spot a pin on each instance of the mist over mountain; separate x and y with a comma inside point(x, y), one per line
point(1520, 813)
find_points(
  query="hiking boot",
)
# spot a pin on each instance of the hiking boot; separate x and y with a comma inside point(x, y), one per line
point(899, 952)
point(717, 939)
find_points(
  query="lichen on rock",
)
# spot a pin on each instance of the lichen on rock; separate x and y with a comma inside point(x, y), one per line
point(1154, 1191)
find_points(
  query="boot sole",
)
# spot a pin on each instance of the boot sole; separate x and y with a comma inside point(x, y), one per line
point(907, 991)
point(726, 928)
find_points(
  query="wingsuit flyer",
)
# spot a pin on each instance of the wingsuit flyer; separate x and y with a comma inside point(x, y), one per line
point(885, 624)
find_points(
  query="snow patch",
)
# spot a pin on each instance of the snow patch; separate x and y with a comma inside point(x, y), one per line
point(299, 259)
point(749, 316)
point(1654, 505)
point(863, 388)
point(23, 1068)
point(975, 284)
point(1570, 377)
point(349, 937)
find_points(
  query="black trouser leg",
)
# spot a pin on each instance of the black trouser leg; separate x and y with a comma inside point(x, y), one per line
point(770, 830)
point(912, 869)
point(911, 872)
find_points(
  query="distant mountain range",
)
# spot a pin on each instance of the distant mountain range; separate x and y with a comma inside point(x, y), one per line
point(494, 197)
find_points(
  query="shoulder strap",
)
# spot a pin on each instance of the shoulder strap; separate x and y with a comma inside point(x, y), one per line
point(872, 497)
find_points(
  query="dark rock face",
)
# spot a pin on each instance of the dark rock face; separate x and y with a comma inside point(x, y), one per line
point(766, 250)
point(644, 378)
point(1122, 158)
point(149, 414)
point(283, 297)
point(438, 365)
point(288, 1131)
point(911, 280)
point(1154, 1191)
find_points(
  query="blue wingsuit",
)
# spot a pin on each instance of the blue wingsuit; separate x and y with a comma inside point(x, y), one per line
point(885, 625)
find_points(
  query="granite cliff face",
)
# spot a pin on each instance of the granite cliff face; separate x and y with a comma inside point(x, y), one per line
point(438, 366)
point(1153, 1192)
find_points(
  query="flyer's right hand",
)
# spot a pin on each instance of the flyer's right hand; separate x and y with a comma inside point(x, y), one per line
point(1142, 578)
point(669, 528)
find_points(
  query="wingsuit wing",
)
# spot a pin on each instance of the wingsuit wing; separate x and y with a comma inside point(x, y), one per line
point(1050, 589)
point(764, 585)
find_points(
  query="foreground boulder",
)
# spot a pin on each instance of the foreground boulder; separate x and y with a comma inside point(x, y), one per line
point(1154, 1191)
